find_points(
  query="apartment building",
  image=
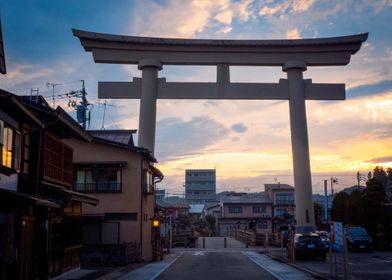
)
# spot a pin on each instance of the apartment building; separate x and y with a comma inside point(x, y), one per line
point(200, 186)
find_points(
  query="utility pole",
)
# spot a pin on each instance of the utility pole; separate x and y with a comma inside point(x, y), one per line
point(326, 200)
point(360, 177)
point(333, 181)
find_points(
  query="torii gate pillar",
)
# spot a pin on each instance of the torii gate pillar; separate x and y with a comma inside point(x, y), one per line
point(300, 146)
point(148, 103)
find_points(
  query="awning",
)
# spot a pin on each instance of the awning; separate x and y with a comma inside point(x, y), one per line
point(65, 195)
point(36, 200)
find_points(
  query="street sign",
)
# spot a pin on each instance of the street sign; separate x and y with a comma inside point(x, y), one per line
point(338, 236)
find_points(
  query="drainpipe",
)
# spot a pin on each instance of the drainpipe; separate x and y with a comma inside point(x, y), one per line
point(37, 177)
point(141, 207)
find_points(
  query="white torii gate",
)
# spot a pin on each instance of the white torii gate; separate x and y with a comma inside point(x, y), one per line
point(294, 56)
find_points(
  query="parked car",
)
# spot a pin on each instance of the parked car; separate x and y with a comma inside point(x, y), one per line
point(309, 245)
point(358, 239)
point(324, 235)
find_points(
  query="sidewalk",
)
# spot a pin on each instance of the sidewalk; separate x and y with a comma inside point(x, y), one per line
point(278, 269)
point(319, 269)
point(149, 271)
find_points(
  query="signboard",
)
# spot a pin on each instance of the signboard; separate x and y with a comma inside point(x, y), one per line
point(338, 236)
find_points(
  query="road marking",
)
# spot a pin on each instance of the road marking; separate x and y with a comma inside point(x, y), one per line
point(198, 253)
point(166, 267)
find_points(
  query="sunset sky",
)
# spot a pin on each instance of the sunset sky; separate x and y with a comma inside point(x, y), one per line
point(248, 142)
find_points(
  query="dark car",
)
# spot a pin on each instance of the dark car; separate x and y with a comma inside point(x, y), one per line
point(309, 245)
point(324, 235)
point(358, 239)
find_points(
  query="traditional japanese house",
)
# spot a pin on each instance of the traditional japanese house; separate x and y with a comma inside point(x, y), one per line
point(40, 214)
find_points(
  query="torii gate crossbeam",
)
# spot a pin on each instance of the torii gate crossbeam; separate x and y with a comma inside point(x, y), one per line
point(294, 56)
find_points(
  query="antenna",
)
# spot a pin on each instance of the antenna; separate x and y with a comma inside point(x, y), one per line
point(31, 94)
point(105, 104)
point(53, 85)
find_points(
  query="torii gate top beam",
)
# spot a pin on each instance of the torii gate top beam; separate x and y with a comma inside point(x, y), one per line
point(118, 49)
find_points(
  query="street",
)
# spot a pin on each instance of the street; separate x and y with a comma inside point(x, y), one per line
point(216, 262)
point(214, 265)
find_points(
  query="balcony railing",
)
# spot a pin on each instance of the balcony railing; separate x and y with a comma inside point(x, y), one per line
point(98, 187)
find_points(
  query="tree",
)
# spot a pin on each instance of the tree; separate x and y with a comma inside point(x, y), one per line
point(318, 214)
point(340, 207)
point(355, 208)
point(380, 175)
point(210, 221)
point(375, 211)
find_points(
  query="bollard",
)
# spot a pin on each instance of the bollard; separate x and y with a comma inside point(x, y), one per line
point(247, 244)
point(204, 242)
point(225, 242)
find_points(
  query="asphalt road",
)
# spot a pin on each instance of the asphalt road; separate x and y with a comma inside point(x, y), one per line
point(198, 265)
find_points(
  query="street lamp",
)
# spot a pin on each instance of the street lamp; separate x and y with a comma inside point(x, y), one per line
point(155, 226)
point(155, 222)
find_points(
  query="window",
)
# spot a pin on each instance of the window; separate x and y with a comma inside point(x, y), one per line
point(284, 198)
point(57, 161)
point(262, 225)
point(98, 180)
point(235, 209)
point(279, 212)
point(9, 146)
point(259, 209)
point(149, 183)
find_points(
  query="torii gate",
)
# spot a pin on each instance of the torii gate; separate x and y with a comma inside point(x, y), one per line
point(294, 56)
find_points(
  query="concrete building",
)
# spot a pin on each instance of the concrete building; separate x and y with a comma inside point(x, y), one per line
point(200, 186)
point(123, 178)
point(283, 205)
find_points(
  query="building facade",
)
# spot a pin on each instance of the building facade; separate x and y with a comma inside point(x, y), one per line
point(283, 205)
point(200, 185)
point(246, 212)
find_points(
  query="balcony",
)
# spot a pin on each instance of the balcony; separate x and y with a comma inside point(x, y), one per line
point(98, 187)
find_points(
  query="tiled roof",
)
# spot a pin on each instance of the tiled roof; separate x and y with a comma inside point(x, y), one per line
point(196, 208)
point(248, 198)
point(279, 186)
point(119, 136)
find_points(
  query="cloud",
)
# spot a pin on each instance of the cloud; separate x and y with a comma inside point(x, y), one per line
point(293, 34)
point(239, 127)
point(286, 7)
point(370, 89)
point(380, 159)
point(179, 137)
point(187, 19)
point(225, 17)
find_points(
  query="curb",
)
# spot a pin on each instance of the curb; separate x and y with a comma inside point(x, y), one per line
point(311, 272)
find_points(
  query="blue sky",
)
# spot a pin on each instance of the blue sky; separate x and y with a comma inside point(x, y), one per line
point(247, 142)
